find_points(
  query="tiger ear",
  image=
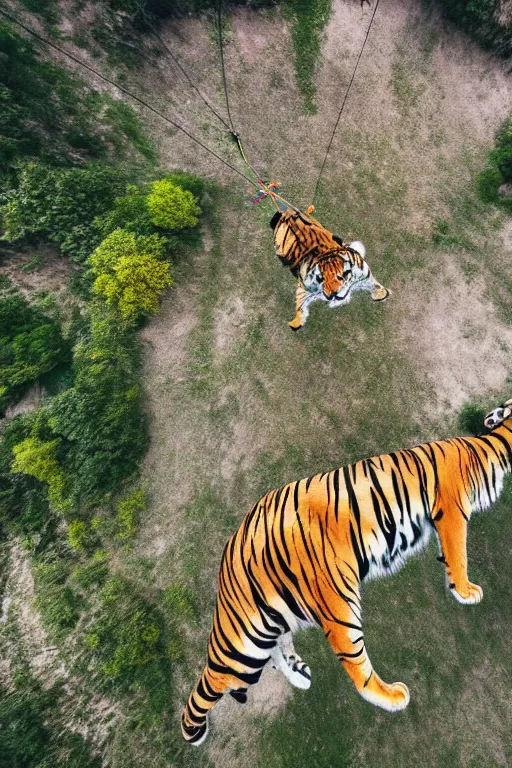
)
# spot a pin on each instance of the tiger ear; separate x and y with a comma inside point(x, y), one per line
point(508, 403)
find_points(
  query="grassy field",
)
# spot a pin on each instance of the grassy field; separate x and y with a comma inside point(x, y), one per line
point(238, 404)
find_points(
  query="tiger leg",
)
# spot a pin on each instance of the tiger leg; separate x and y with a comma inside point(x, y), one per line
point(348, 644)
point(302, 301)
point(451, 526)
point(377, 291)
point(286, 660)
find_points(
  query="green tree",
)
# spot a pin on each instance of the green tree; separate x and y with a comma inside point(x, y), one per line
point(172, 207)
point(31, 344)
point(61, 205)
point(38, 458)
point(130, 274)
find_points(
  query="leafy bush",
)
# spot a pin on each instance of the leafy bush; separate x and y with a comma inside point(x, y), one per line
point(100, 418)
point(128, 512)
point(127, 636)
point(30, 344)
point(46, 114)
point(480, 19)
point(499, 170)
point(55, 600)
point(61, 204)
point(471, 419)
point(129, 212)
point(31, 736)
point(39, 459)
point(23, 500)
point(172, 207)
point(130, 273)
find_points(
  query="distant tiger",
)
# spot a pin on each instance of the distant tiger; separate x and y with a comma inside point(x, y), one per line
point(300, 554)
point(327, 270)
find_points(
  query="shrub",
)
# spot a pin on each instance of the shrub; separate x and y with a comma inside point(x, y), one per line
point(127, 636)
point(23, 499)
point(78, 535)
point(100, 418)
point(172, 207)
point(128, 512)
point(471, 419)
point(61, 205)
point(480, 19)
point(130, 274)
point(46, 114)
point(129, 213)
point(499, 169)
point(30, 344)
point(55, 600)
point(488, 182)
point(39, 459)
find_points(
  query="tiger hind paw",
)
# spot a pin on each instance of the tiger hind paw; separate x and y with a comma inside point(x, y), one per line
point(296, 671)
point(471, 595)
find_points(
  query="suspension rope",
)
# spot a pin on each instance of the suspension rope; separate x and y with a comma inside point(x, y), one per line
point(224, 81)
point(120, 88)
point(273, 195)
point(345, 99)
point(187, 76)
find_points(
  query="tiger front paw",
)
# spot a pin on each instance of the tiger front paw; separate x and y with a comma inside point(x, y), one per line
point(470, 595)
point(380, 293)
point(392, 698)
point(295, 324)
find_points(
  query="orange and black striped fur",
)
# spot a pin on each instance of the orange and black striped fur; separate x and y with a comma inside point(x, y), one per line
point(326, 269)
point(302, 551)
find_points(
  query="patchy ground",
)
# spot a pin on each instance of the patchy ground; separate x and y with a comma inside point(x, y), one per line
point(238, 404)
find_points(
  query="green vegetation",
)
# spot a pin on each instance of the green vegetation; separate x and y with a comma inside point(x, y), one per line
point(31, 344)
point(499, 170)
point(65, 468)
point(480, 19)
point(128, 513)
point(172, 207)
point(124, 577)
point(130, 273)
point(309, 17)
point(128, 634)
point(60, 205)
point(48, 114)
point(32, 734)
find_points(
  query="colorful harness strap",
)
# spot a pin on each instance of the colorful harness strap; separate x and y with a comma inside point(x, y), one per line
point(263, 193)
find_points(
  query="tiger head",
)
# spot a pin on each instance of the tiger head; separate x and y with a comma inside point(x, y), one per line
point(499, 415)
point(332, 275)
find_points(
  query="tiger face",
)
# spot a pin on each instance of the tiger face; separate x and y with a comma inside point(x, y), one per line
point(331, 277)
point(499, 415)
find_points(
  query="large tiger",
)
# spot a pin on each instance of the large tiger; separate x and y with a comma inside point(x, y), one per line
point(327, 270)
point(302, 551)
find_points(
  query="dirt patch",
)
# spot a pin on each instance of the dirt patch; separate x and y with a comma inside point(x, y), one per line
point(484, 726)
point(92, 717)
point(266, 699)
point(28, 403)
point(41, 269)
point(455, 336)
